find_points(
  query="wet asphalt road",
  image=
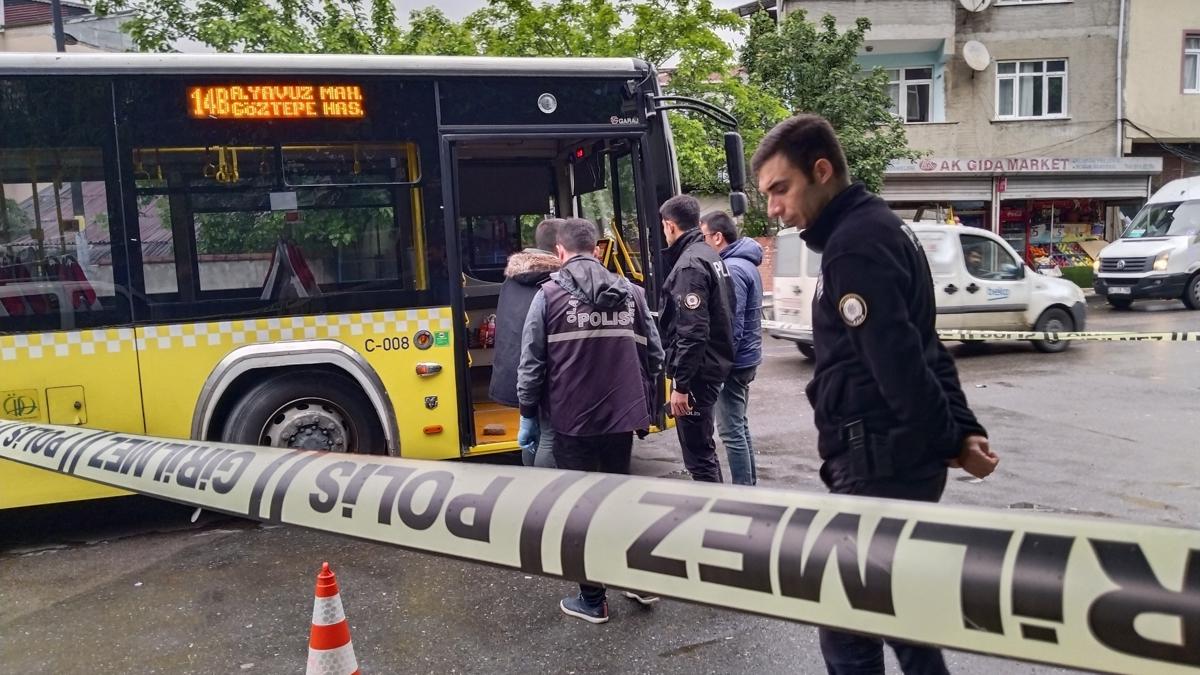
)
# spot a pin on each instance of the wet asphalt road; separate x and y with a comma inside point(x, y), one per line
point(131, 585)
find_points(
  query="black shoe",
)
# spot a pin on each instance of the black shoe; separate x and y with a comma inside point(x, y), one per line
point(576, 607)
point(644, 599)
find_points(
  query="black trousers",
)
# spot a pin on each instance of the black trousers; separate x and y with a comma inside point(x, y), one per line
point(608, 453)
point(696, 436)
point(851, 654)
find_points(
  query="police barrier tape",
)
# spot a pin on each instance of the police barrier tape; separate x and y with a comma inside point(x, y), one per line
point(1101, 595)
point(1024, 335)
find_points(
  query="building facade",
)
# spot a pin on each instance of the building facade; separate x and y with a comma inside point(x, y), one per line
point(1162, 85)
point(27, 26)
point(1016, 109)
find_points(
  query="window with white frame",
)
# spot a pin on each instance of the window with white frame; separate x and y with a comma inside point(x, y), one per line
point(1031, 89)
point(1191, 64)
point(911, 91)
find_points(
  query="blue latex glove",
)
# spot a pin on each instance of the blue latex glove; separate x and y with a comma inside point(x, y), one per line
point(529, 432)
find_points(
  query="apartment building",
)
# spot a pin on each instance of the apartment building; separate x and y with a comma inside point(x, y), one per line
point(27, 26)
point(1162, 85)
point(1015, 104)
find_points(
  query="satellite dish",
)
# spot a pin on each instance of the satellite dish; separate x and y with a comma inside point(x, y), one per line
point(975, 5)
point(976, 55)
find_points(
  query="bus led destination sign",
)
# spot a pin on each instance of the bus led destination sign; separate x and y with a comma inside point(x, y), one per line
point(275, 101)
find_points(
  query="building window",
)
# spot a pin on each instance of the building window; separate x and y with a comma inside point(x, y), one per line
point(1031, 89)
point(1191, 64)
point(911, 92)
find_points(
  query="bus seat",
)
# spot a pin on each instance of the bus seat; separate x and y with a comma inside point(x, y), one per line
point(289, 276)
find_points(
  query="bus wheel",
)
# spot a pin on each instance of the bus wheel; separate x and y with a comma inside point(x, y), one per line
point(807, 351)
point(306, 411)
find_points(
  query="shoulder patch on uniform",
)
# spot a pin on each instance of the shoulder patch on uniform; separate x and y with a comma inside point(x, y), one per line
point(691, 301)
point(853, 309)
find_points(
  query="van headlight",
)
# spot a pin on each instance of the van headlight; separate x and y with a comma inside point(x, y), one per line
point(1096, 266)
point(1160, 261)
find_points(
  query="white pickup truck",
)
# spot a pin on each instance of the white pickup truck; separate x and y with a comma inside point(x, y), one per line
point(980, 284)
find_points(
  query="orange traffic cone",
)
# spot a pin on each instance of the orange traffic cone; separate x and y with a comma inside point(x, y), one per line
point(330, 651)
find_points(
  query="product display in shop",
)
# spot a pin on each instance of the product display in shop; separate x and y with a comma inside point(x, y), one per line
point(1049, 233)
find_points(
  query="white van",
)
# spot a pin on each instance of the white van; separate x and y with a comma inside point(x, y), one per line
point(1158, 255)
point(980, 283)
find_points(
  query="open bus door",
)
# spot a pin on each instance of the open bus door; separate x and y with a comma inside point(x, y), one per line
point(498, 188)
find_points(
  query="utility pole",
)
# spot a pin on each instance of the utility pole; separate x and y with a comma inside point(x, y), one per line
point(60, 40)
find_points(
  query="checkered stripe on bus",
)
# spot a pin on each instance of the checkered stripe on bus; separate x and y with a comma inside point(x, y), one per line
point(223, 333)
point(65, 344)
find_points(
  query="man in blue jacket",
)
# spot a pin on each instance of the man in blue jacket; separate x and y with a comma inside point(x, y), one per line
point(742, 256)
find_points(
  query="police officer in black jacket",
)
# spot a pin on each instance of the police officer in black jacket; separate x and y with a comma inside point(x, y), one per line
point(697, 333)
point(890, 412)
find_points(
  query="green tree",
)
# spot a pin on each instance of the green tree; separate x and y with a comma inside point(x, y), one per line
point(812, 68)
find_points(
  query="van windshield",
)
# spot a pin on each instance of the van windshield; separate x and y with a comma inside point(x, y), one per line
point(1165, 220)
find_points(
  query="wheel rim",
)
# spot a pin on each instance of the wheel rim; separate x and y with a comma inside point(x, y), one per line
point(1054, 325)
point(309, 424)
point(1196, 291)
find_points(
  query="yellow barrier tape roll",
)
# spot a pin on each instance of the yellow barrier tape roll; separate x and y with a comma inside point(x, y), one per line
point(1095, 594)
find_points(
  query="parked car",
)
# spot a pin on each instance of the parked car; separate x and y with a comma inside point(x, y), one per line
point(979, 281)
point(1158, 255)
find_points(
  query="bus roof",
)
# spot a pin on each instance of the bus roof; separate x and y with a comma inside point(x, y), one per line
point(355, 64)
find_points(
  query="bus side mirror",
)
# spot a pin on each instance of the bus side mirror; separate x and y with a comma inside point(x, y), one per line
point(735, 165)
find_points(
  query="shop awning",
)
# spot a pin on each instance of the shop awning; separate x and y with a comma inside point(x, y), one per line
point(941, 189)
point(1077, 187)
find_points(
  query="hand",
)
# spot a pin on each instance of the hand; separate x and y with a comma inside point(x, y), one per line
point(976, 457)
point(681, 406)
point(528, 432)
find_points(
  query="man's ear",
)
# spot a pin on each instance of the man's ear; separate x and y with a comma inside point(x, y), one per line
point(822, 171)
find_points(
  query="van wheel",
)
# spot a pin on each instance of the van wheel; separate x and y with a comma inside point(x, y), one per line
point(306, 411)
point(1053, 320)
point(1120, 304)
point(1191, 295)
point(807, 351)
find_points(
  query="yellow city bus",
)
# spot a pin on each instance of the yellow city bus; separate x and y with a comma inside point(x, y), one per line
point(298, 251)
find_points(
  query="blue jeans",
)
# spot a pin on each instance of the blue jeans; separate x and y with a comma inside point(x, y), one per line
point(542, 456)
point(733, 426)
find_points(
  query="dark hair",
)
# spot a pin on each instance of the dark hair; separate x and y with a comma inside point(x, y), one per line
point(803, 140)
point(547, 234)
point(719, 221)
point(578, 236)
point(683, 210)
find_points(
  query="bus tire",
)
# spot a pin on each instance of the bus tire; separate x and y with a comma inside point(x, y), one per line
point(1053, 320)
point(807, 351)
point(306, 410)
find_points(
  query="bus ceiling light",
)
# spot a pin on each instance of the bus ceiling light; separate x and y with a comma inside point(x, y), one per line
point(428, 369)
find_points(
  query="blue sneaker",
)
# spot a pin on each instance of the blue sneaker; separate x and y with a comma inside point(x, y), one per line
point(576, 606)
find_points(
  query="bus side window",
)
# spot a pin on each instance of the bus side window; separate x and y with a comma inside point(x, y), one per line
point(56, 255)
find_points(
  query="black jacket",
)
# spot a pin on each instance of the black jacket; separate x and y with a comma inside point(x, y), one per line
point(527, 270)
point(696, 322)
point(879, 359)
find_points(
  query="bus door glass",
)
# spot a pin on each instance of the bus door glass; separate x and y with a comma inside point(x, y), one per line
point(505, 187)
point(67, 353)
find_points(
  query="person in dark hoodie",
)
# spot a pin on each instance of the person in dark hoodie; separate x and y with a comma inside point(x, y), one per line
point(697, 330)
point(742, 256)
point(890, 412)
point(590, 353)
point(527, 270)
